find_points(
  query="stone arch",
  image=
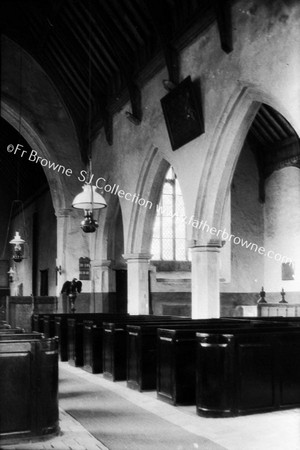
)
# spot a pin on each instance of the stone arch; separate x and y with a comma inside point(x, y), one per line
point(226, 146)
point(33, 139)
point(149, 187)
point(41, 114)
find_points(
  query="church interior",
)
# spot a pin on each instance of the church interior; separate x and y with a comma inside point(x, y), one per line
point(155, 143)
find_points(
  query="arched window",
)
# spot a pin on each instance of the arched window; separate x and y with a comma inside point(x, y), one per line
point(169, 231)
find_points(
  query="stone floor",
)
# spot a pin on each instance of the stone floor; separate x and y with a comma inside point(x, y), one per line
point(269, 431)
point(72, 436)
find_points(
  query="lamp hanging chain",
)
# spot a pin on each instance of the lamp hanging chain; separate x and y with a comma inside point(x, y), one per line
point(90, 101)
point(20, 133)
point(20, 117)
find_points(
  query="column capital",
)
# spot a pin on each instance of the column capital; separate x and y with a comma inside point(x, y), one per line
point(137, 256)
point(214, 246)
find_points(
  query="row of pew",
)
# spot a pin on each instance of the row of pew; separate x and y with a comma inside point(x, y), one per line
point(28, 385)
point(226, 367)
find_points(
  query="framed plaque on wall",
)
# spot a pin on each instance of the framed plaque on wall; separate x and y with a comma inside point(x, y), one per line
point(183, 114)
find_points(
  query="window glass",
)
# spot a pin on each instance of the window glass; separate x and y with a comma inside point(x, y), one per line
point(169, 231)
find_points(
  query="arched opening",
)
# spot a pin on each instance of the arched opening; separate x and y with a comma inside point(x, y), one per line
point(26, 207)
point(265, 217)
point(170, 283)
point(209, 258)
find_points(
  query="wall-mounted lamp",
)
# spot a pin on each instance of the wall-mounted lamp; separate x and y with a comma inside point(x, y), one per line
point(17, 241)
point(58, 269)
point(11, 273)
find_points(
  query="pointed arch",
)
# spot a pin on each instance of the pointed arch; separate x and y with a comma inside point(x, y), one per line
point(55, 182)
point(149, 186)
point(226, 146)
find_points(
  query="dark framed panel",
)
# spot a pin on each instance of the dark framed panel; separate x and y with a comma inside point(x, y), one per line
point(183, 114)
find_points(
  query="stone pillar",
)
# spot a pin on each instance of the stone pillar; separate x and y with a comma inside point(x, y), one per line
point(282, 230)
point(104, 286)
point(205, 281)
point(138, 282)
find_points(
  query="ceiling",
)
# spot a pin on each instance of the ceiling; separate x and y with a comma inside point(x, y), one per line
point(98, 53)
point(274, 143)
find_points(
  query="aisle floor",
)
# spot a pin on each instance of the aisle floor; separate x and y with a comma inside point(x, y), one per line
point(87, 424)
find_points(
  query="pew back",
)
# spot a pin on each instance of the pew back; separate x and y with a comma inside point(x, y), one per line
point(176, 358)
point(243, 373)
point(29, 388)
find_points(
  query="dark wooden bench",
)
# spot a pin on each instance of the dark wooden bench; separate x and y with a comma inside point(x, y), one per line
point(247, 372)
point(21, 336)
point(61, 329)
point(11, 330)
point(176, 359)
point(37, 322)
point(29, 387)
point(49, 325)
point(93, 345)
point(76, 345)
point(115, 343)
point(142, 349)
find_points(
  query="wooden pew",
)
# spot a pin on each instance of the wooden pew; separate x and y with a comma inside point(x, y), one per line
point(49, 325)
point(61, 330)
point(115, 343)
point(176, 359)
point(28, 386)
point(92, 346)
point(247, 372)
point(37, 322)
point(20, 336)
point(142, 349)
point(12, 330)
point(76, 347)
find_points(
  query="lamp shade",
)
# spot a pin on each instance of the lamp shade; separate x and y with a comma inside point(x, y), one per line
point(17, 240)
point(89, 199)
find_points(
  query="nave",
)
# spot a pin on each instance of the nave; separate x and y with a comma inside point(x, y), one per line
point(96, 413)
